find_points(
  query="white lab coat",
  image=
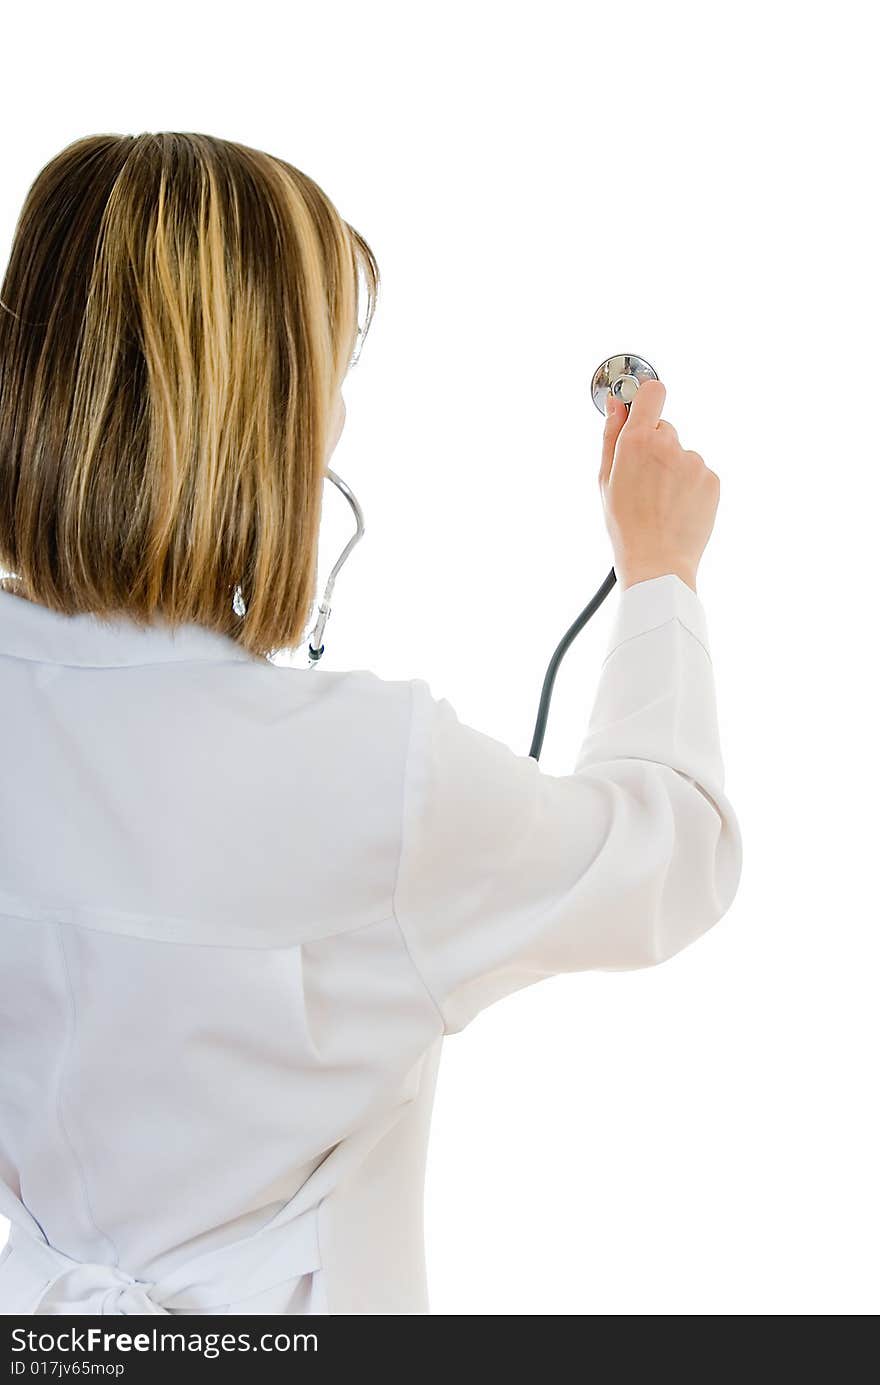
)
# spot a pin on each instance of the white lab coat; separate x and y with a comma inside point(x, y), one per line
point(240, 907)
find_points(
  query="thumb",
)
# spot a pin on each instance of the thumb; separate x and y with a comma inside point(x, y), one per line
point(615, 417)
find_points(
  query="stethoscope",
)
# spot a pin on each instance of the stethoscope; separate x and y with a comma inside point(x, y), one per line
point(619, 375)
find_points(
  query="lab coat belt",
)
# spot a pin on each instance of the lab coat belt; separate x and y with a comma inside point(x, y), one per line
point(31, 1267)
point(285, 1248)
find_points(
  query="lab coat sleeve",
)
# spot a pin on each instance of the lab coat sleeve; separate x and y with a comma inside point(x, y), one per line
point(508, 874)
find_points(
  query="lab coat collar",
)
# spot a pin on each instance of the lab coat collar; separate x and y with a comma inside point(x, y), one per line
point(36, 632)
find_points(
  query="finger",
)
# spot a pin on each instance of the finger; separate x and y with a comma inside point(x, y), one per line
point(615, 418)
point(646, 408)
point(665, 427)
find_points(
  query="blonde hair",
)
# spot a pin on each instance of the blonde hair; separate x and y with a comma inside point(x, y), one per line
point(176, 318)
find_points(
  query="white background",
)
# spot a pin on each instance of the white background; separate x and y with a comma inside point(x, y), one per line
point(544, 185)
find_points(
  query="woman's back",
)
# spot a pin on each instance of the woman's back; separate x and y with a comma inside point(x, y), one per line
point(241, 905)
point(205, 989)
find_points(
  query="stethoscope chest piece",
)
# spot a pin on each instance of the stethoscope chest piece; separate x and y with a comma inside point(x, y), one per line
point(621, 375)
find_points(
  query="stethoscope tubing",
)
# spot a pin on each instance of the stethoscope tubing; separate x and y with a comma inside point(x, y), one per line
point(629, 368)
point(553, 667)
point(316, 638)
point(316, 644)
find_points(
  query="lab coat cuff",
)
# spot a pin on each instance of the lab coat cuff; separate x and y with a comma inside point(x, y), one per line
point(646, 605)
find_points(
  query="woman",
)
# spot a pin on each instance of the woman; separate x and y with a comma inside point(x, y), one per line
point(218, 1056)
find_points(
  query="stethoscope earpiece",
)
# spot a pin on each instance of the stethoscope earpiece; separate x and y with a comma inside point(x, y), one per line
point(620, 376)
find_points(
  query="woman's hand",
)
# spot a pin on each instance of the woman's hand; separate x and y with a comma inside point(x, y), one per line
point(660, 501)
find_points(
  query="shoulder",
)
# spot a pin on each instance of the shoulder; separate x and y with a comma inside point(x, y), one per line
point(340, 704)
